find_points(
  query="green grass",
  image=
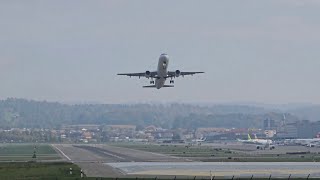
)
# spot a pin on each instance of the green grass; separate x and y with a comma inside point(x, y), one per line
point(33, 170)
point(24, 152)
point(184, 150)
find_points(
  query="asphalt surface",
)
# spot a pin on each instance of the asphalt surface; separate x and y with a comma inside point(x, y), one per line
point(221, 169)
point(111, 161)
point(93, 159)
point(251, 148)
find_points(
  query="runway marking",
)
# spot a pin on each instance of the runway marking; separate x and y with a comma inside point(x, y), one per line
point(112, 155)
point(61, 152)
point(118, 170)
point(173, 157)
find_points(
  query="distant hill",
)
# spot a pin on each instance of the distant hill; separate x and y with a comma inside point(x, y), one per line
point(41, 114)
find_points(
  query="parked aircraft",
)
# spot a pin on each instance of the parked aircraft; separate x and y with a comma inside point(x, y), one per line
point(306, 142)
point(161, 75)
point(260, 143)
point(199, 140)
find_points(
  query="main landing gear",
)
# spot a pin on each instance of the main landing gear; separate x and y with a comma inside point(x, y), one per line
point(171, 81)
point(152, 82)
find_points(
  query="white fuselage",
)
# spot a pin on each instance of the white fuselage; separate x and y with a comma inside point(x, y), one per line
point(305, 141)
point(262, 141)
point(256, 141)
point(162, 71)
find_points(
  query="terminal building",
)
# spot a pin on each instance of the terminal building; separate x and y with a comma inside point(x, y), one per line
point(300, 129)
point(269, 124)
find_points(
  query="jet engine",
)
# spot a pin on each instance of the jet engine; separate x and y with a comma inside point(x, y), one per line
point(148, 74)
point(177, 73)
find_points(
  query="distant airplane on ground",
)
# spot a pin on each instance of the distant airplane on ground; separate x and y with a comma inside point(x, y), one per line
point(199, 140)
point(162, 74)
point(261, 143)
point(306, 142)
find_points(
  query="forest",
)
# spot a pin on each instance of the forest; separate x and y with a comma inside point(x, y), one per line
point(22, 113)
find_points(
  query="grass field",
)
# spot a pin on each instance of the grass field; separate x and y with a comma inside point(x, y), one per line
point(24, 152)
point(32, 170)
point(210, 154)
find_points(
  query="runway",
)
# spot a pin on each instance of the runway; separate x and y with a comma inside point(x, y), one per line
point(93, 158)
point(109, 161)
point(221, 169)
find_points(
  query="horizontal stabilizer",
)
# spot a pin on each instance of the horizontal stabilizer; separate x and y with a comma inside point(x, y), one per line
point(153, 86)
point(168, 86)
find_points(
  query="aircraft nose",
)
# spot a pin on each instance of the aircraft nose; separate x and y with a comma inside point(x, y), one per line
point(164, 56)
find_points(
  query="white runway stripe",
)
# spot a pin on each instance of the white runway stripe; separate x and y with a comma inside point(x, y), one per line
point(61, 152)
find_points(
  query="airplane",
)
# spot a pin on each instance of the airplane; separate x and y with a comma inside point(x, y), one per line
point(199, 140)
point(260, 143)
point(161, 75)
point(306, 142)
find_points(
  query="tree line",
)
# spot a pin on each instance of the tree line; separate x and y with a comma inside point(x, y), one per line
point(24, 113)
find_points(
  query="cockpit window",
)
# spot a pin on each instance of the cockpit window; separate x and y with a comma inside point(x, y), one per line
point(164, 64)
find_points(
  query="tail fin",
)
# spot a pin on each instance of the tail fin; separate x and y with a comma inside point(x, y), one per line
point(255, 136)
point(249, 138)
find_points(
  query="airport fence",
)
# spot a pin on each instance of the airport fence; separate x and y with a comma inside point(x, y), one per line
point(252, 177)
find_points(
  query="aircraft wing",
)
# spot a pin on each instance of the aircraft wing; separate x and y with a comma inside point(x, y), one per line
point(173, 73)
point(144, 74)
point(315, 141)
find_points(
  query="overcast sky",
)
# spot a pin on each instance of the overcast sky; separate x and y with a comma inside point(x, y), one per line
point(70, 51)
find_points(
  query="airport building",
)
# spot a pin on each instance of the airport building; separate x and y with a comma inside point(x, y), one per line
point(307, 129)
point(213, 134)
point(300, 129)
point(269, 124)
point(270, 133)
